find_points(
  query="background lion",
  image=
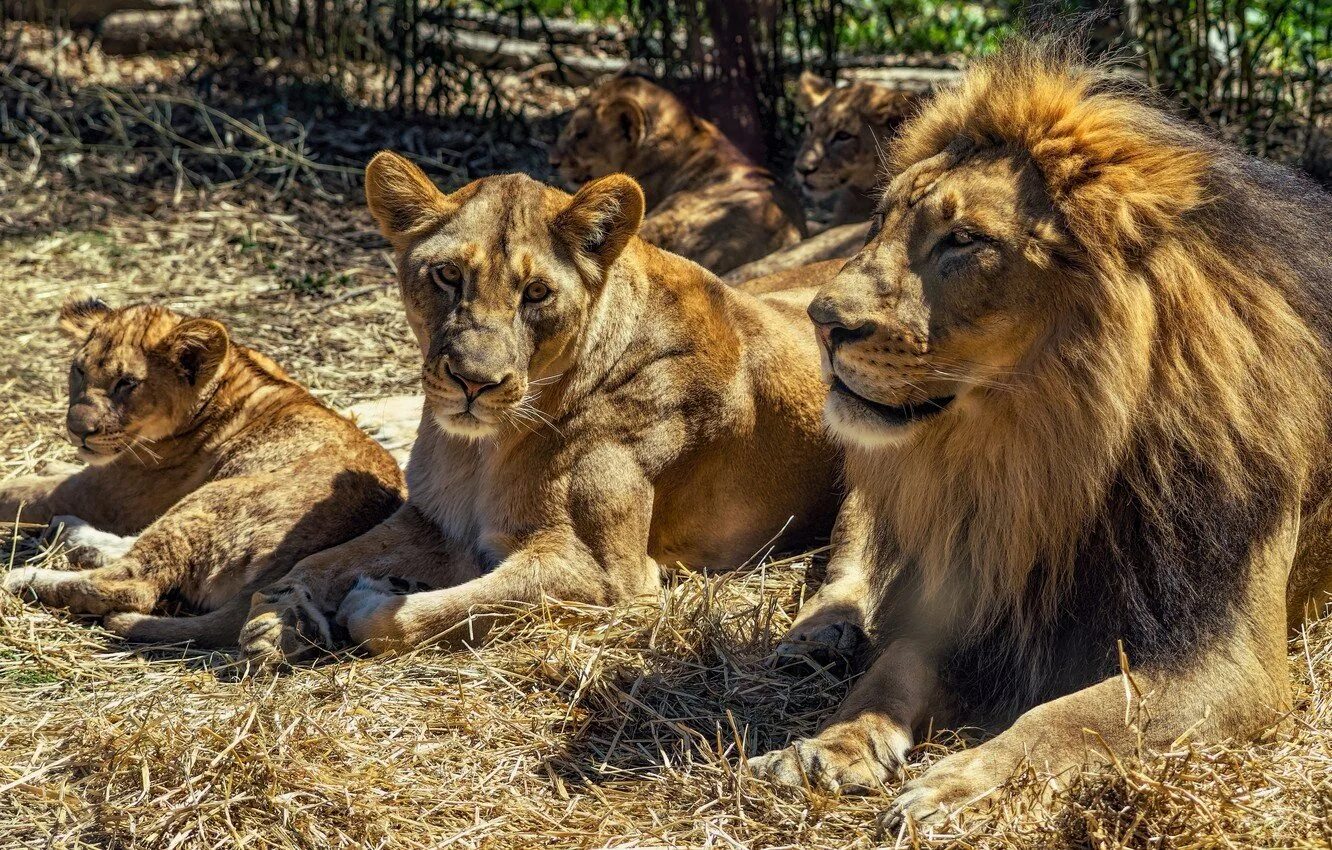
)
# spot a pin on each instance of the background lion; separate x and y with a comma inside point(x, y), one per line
point(226, 470)
point(1081, 374)
point(705, 199)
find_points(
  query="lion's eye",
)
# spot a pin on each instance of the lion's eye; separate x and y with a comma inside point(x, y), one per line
point(536, 291)
point(446, 275)
point(124, 386)
point(842, 136)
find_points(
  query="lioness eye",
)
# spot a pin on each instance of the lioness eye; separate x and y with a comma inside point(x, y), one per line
point(446, 274)
point(536, 291)
point(958, 239)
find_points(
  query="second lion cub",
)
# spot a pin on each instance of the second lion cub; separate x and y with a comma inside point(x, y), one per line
point(227, 470)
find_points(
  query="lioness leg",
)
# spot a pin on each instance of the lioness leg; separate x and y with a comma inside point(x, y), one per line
point(832, 621)
point(864, 744)
point(289, 620)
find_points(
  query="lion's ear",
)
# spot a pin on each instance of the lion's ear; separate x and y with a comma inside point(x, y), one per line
point(198, 347)
point(401, 197)
point(811, 90)
point(80, 314)
point(601, 219)
point(627, 115)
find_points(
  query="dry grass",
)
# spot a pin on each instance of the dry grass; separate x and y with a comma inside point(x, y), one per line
point(580, 728)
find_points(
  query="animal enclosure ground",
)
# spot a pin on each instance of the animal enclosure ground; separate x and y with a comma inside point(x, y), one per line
point(579, 728)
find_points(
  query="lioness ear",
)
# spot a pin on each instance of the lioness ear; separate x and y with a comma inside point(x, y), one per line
point(80, 314)
point(401, 197)
point(812, 90)
point(601, 218)
point(198, 347)
point(629, 117)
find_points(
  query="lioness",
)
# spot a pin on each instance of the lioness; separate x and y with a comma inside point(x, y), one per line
point(594, 406)
point(840, 160)
point(227, 470)
point(705, 199)
point(1081, 374)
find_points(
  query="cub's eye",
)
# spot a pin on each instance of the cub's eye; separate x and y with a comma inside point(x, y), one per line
point(446, 275)
point(124, 386)
point(536, 291)
point(876, 227)
point(843, 136)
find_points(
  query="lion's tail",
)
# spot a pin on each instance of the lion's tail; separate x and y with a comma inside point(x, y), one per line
point(214, 630)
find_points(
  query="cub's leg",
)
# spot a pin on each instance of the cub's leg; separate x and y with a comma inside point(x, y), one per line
point(598, 557)
point(831, 623)
point(86, 547)
point(37, 498)
point(291, 619)
point(864, 745)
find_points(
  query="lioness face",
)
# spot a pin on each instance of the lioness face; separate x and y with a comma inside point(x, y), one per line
point(499, 280)
point(942, 302)
point(136, 377)
point(600, 138)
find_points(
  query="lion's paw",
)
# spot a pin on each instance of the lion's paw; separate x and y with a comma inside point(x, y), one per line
point(829, 629)
point(285, 627)
point(367, 611)
point(955, 787)
point(836, 762)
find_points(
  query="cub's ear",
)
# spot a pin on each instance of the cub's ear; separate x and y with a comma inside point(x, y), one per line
point(198, 347)
point(401, 197)
point(628, 117)
point(600, 220)
point(812, 90)
point(80, 314)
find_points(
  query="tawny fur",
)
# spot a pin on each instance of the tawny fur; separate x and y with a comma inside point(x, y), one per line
point(1082, 377)
point(706, 200)
point(226, 470)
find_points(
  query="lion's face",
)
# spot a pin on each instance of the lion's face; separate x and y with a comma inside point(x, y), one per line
point(847, 131)
point(606, 129)
point(944, 300)
point(499, 280)
point(136, 377)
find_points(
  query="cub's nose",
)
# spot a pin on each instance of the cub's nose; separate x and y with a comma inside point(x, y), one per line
point(472, 385)
point(807, 168)
point(81, 420)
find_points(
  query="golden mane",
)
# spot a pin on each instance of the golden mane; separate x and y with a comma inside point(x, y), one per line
point(1183, 353)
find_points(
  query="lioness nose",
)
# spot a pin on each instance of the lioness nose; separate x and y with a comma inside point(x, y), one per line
point(835, 328)
point(472, 386)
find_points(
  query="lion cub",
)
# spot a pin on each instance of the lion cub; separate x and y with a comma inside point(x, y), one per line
point(227, 470)
point(705, 199)
point(594, 407)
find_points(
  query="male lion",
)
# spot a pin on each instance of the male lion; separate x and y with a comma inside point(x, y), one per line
point(227, 470)
point(840, 160)
point(1081, 374)
point(594, 406)
point(705, 199)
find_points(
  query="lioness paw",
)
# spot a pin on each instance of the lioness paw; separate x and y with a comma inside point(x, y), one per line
point(836, 762)
point(285, 627)
point(367, 612)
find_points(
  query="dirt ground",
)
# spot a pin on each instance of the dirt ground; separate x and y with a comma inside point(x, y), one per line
point(579, 728)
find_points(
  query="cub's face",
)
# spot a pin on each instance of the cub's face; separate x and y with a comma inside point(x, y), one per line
point(136, 377)
point(944, 300)
point(606, 129)
point(848, 130)
point(499, 280)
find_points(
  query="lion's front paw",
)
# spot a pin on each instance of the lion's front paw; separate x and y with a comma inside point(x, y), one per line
point(368, 613)
point(285, 627)
point(843, 759)
point(957, 786)
point(829, 629)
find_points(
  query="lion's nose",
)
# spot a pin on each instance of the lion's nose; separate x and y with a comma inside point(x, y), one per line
point(81, 422)
point(472, 385)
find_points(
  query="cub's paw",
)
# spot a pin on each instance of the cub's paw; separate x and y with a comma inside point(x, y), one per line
point(367, 612)
point(958, 787)
point(22, 582)
point(86, 547)
point(285, 627)
point(843, 759)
